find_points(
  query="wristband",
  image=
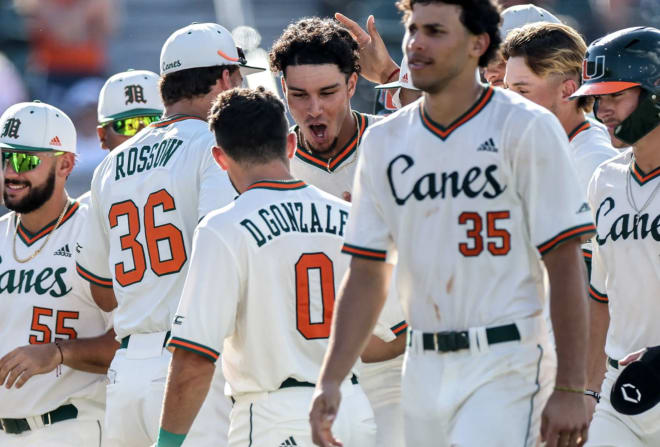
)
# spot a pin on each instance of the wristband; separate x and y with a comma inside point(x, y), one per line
point(169, 439)
point(594, 394)
point(569, 390)
point(395, 72)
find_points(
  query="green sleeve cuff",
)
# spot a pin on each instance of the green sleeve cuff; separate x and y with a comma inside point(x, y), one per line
point(167, 439)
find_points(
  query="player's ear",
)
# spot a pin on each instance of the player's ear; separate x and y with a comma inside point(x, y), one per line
point(220, 157)
point(291, 142)
point(100, 131)
point(479, 45)
point(352, 84)
point(65, 164)
point(568, 87)
point(283, 85)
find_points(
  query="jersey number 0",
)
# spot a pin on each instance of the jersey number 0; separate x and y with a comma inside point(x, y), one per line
point(153, 235)
point(322, 263)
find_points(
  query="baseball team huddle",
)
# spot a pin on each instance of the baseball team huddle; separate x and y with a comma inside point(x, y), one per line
point(478, 265)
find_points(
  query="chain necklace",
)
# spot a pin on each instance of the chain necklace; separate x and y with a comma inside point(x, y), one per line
point(631, 198)
point(33, 255)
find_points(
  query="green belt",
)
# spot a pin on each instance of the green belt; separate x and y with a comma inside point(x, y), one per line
point(455, 341)
point(124, 341)
point(613, 363)
point(17, 426)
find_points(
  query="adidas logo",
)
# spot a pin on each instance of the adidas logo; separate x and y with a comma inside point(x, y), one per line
point(289, 441)
point(488, 146)
point(55, 141)
point(64, 251)
point(584, 208)
point(404, 79)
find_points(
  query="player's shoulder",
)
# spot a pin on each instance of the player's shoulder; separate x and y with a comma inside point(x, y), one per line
point(613, 167)
point(391, 125)
point(511, 106)
point(593, 139)
point(314, 193)
point(7, 220)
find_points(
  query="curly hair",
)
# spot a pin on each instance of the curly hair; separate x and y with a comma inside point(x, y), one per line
point(250, 125)
point(314, 40)
point(478, 16)
point(186, 84)
point(550, 49)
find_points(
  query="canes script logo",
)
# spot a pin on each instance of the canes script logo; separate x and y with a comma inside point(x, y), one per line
point(592, 70)
point(134, 93)
point(10, 130)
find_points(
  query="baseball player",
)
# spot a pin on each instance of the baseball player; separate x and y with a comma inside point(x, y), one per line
point(466, 205)
point(514, 17)
point(319, 63)
point(544, 64)
point(622, 72)
point(280, 247)
point(146, 199)
point(54, 344)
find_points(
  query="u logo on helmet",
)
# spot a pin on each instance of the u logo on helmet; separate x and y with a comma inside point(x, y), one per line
point(593, 70)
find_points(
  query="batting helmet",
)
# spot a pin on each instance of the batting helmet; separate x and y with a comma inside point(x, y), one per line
point(622, 60)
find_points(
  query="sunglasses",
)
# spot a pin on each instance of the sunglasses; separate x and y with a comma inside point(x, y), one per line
point(24, 161)
point(130, 126)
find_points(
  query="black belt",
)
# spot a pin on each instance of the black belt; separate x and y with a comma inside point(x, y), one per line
point(17, 426)
point(291, 382)
point(613, 363)
point(455, 341)
point(124, 341)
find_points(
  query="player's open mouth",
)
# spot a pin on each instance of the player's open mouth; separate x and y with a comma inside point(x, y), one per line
point(319, 131)
point(14, 186)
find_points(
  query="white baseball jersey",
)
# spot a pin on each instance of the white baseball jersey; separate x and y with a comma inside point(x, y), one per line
point(43, 300)
point(470, 207)
point(589, 145)
point(626, 258)
point(264, 274)
point(147, 196)
point(334, 175)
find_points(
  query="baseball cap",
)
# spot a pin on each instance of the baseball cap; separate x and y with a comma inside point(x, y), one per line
point(637, 389)
point(520, 15)
point(128, 94)
point(404, 78)
point(36, 126)
point(201, 45)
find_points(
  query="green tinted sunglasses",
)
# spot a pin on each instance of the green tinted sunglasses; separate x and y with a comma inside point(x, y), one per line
point(24, 161)
point(130, 126)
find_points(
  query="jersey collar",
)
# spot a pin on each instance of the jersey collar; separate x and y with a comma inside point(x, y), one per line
point(166, 121)
point(29, 238)
point(584, 125)
point(330, 164)
point(278, 185)
point(444, 132)
point(640, 177)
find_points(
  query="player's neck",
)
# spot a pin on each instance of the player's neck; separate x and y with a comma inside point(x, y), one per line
point(48, 212)
point(195, 107)
point(647, 151)
point(276, 170)
point(570, 119)
point(460, 93)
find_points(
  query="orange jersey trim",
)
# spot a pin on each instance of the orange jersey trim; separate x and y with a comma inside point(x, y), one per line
point(103, 282)
point(376, 255)
point(284, 186)
point(194, 347)
point(174, 120)
point(596, 295)
point(580, 128)
point(564, 235)
point(30, 238)
point(642, 178)
point(443, 132)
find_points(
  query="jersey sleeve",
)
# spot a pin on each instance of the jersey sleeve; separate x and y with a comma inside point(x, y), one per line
point(367, 235)
point(546, 180)
point(215, 188)
point(207, 310)
point(92, 249)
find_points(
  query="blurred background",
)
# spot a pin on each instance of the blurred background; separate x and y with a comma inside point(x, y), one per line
point(61, 51)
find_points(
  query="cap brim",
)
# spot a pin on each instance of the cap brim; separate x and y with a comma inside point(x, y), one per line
point(129, 114)
point(247, 70)
point(21, 148)
point(395, 84)
point(603, 88)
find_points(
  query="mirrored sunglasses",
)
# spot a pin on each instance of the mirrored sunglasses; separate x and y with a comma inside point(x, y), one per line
point(130, 126)
point(24, 161)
